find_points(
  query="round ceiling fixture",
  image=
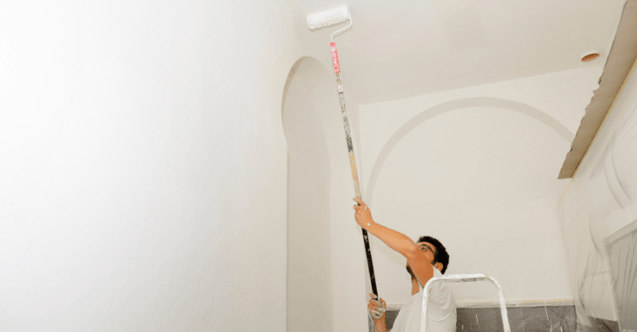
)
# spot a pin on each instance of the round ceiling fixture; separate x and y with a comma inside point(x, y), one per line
point(589, 56)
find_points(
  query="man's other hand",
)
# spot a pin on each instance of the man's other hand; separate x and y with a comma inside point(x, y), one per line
point(376, 309)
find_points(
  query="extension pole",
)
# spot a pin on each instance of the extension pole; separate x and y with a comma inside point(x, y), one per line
point(352, 161)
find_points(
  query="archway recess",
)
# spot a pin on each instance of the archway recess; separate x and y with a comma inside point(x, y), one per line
point(309, 273)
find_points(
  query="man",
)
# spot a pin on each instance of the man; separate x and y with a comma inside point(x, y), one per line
point(425, 259)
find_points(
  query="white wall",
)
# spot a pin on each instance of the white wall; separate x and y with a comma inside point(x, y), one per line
point(143, 174)
point(348, 269)
point(600, 203)
point(144, 168)
point(477, 169)
point(309, 272)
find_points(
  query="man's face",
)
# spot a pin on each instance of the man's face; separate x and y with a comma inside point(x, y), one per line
point(430, 251)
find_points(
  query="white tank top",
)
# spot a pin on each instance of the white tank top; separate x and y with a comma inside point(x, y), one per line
point(441, 310)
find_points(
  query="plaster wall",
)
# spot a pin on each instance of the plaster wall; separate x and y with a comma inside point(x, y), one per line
point(309, 273)
point(143, 174)
point(600, 207)
point(144, 177)
point(347, 256)
point(477, 169)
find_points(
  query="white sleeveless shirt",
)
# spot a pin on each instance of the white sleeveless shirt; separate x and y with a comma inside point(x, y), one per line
point(441, 310)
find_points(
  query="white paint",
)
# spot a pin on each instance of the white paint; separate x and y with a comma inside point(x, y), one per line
point(328, 18)
point(481, 178)
point(403, 48)
point(143, 174)
point(601, 202)
point(144, 168)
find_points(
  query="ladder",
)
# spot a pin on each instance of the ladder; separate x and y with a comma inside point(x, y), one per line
point(463, 278)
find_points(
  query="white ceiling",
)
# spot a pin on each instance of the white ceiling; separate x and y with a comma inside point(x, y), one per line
point(403, 48)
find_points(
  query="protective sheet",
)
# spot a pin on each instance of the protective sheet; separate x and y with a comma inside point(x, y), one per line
point(599, 209)
point(622, 254)
point(599, 215)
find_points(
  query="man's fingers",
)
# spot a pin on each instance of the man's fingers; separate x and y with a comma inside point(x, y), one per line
point(376, 314)
point(373, 302)
point(377, 309)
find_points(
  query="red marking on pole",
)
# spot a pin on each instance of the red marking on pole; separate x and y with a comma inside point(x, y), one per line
point(337, 68)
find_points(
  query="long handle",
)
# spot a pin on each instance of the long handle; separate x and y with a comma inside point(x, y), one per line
point(352, 161)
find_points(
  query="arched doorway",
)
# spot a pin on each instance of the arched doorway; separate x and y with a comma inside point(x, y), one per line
point(309, 274)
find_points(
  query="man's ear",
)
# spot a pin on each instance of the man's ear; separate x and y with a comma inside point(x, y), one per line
point(438, 266)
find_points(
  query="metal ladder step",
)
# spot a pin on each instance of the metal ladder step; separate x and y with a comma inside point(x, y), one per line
point(463, 278)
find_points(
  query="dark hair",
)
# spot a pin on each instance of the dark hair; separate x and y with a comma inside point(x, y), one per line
point(441, 256)
point(411, 273)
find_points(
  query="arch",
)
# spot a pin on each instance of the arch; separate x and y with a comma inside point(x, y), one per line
point(455, 105)
point(308, 264)
point(288, 80)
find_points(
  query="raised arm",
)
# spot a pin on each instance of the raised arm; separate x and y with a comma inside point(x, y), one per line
point(419, 261)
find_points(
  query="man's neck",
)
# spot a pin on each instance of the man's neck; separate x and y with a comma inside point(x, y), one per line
point(415, 288)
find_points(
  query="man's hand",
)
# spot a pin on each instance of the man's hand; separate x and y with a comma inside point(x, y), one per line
point(363, 215)
point(377, 309)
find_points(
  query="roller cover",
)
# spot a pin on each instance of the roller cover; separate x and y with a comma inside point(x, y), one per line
point(327, 18)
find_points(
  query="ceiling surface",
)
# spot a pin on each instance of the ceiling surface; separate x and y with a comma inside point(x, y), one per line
point(400, 48)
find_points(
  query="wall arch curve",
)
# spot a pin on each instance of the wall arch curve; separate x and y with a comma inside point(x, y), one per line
point(456, 105)
point(288, 80)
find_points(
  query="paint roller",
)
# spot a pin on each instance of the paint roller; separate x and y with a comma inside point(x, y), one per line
point(321, 20)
